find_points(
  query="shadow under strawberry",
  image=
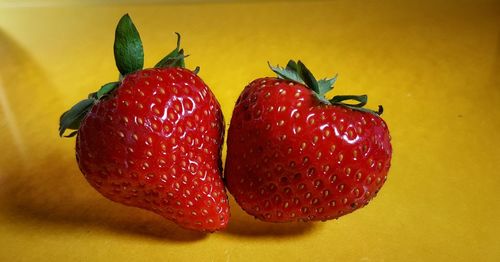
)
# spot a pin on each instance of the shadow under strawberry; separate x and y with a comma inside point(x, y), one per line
point(54, 194)
point(41, 185)
point(243, 224)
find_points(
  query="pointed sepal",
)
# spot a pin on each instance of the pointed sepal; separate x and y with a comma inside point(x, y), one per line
point(325, 85)
point(72, 118)
point(298, 72)
point(307, 77)
point(287, 73)
point(106, 89)
point(129, 53)
point(175, 58)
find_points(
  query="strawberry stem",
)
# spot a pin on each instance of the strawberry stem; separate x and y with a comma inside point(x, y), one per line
point(299, 73)
point(175, 58)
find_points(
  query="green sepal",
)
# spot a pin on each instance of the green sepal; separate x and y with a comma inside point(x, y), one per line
point(175, 58)
point(129, 53)
point(72, 134)
point(287, 73)
point(298, 72)
point(380, 110)
point(325, 85)
point(106, 89)
point(362, 100)
point(71, 119)
point(292, 66)
point(307, 76)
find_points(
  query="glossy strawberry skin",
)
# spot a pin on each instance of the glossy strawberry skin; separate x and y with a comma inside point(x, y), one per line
point(155, 143)
point(291, 157)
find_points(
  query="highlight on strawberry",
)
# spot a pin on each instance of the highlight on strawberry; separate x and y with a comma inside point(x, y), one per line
point(295, 155)
point(153, 138)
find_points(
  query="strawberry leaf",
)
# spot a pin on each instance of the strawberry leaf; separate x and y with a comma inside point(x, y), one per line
point(292, 66)
point(175, 58)
point(129, 54)
point(71, 119)
point(287, 73)
point(298, 72)
point(362, 100)
point(325, 85)
point(72, 134)
point(307, 77)
point(106, 89)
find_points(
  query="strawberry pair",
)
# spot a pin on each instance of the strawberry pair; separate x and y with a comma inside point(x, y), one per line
point(153, 140)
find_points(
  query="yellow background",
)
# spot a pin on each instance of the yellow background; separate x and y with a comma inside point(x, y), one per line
point(434, 65)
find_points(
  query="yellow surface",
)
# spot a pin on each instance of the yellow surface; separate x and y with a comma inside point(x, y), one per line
point(434, 65)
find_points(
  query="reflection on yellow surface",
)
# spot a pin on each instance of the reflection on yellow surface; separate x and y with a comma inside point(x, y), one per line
point(434, 65)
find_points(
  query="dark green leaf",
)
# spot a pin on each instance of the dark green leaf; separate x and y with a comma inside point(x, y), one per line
point(175, 58)
point(72, 134)
point(286, 73)
point(292, 66)
point(129, 54)
point(181, 59)
point(92, 95)
point(71, 119)
point(196, 70)
point(298, 72)
point(325, 85)
point(175, 61)
point(362, 100)
point(105, 89)
point(380, 110)
point(307, 76)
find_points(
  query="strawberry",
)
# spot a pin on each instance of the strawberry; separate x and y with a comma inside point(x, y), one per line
point(153, 139)
point(293, 155)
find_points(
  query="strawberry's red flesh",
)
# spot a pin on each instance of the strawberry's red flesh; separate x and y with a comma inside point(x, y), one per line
point(292, 158)
point(155, 143)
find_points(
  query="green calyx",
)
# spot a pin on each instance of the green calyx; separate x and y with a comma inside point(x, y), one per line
point(298, 72)
point(174, 58)
point(129, 58)
point(72, 118)
point(129, 54)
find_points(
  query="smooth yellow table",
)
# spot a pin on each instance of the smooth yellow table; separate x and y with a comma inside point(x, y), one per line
point(434, 65)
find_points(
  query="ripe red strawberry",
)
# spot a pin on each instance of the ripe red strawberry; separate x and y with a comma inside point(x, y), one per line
point(293, 155)
point(153, 140)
